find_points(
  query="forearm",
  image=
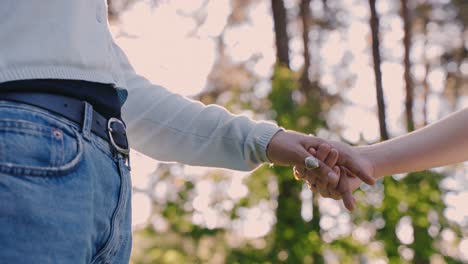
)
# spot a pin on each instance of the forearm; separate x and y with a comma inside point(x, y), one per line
point(170, 127)
point(442, 143)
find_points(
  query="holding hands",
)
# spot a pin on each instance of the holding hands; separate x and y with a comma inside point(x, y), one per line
point(441, 143)
point(341, 169)
point(341, 158)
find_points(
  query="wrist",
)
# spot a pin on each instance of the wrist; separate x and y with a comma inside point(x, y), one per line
point(371, 155)
point(269, 147)
point(288, 147)
point(312, 141)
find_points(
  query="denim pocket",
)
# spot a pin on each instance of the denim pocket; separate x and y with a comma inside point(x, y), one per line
point(37, 145)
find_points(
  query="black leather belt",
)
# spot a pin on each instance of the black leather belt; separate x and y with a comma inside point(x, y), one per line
point(112, 129)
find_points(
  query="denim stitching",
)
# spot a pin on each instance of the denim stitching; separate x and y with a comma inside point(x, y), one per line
point(54, 149)
point(23, 127)
point(125, 179)
point(49, 171)
point(101, 143)
point(122, 197)
point(61, 150)
point(116, 218)
point(22, 131)
point(22, 124)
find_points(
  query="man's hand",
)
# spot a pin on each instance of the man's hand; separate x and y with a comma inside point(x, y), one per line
point(349, 176)
point(291, 148)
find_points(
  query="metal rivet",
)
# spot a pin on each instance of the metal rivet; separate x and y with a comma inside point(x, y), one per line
point(57, 133)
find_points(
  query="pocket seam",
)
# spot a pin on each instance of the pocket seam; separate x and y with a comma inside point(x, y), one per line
point(18, 124)
point(22, 170)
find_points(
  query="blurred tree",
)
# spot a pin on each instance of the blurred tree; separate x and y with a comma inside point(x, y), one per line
point(407, 25)
point(374, 24)
point(305, 15)
point(424, 10)
point(116, 7)
point(281, 31)
point(455, 55)
point(294, 239)
point(178, 231)
point(429, 182)
point(390, 202)
point(425, 207)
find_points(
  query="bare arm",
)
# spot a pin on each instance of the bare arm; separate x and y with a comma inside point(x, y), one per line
point(442, 143)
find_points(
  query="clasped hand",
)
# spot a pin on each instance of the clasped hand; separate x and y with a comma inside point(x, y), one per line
point(341, 170)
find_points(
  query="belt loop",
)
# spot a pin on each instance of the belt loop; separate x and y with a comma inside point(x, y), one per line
point(87, 120)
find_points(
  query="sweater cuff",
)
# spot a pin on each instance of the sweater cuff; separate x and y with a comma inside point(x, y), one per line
point(263, 133)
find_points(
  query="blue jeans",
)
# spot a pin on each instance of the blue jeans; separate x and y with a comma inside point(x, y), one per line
point(65, 196)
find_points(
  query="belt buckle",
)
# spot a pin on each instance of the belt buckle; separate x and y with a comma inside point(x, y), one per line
point(125, 151)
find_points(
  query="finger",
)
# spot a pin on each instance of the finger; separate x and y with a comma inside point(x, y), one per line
point(311, 183)
point(313, 188)
point(311, 179)
point(321, 182)
point(332, 158)
point(356, 169)
point(348, 200)
point(325, 193)
point(324, 177)
point(326, 173)
point(297, 175)
point(344, 189)
point(335, 194)
point(337, 170)
point(312, 151)
point(348, 172)
point(320, 185)
point(323, 171)
point(323, 151)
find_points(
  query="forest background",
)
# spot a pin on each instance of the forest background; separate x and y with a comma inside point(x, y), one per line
point(359, 71)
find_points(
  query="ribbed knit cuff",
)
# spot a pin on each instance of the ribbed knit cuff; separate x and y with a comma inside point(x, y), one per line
point(263, 133)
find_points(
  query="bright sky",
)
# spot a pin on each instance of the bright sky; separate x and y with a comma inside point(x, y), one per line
point(161, 49)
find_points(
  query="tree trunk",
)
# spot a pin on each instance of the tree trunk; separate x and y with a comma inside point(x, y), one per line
point(408, 80)
point(325, 6)
point(281, 32)
point(459, 58)
point(305, 18)
point(426, 92)
point(317, 253)
point(427, 68)
point(374, 24)
point(387, 233)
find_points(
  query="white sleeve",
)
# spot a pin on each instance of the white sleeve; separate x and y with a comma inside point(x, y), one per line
point(170, 127)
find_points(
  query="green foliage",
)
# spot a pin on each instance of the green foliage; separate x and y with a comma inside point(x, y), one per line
point(293, 236)
point(295, 109)
point(292, 239)
point(417, 195)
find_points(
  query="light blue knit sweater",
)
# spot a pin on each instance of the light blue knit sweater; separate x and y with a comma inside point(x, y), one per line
point(71, 40)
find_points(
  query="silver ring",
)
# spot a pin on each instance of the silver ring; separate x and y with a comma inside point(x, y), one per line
point(311, 163)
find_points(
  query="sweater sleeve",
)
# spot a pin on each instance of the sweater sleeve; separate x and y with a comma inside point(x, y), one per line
point(171, 127)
